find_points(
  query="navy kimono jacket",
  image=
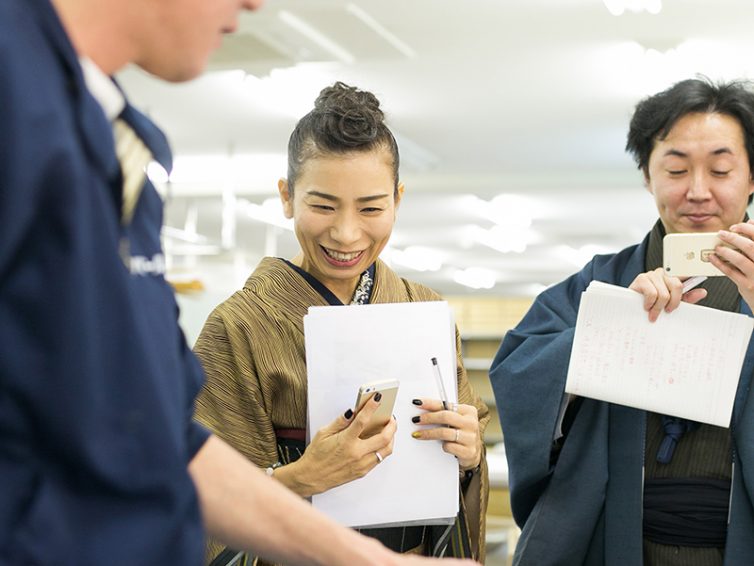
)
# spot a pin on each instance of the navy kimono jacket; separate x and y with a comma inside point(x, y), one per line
point(585, 505)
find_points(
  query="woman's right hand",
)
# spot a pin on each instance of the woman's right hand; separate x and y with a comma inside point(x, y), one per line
point(336, 454)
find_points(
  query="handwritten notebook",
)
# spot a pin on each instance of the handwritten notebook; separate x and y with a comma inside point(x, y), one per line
point(685, 364)
point(347, 346)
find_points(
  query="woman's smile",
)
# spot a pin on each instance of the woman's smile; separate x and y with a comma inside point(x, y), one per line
point(344, 259)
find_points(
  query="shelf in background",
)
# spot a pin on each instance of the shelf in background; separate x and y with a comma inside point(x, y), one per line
point(477, 364)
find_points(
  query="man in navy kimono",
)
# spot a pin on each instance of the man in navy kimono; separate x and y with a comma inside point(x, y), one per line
point(100, 459)
point(597, 483)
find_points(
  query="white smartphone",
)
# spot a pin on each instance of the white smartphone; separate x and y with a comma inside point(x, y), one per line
point(389, 390)
point(687, 254)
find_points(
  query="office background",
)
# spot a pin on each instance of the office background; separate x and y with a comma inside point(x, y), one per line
point(511, 118)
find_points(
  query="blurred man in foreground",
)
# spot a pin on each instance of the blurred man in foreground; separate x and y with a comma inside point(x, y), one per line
point(100, 460)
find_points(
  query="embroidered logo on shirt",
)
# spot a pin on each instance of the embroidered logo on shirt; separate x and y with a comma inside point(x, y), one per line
point(142, 265)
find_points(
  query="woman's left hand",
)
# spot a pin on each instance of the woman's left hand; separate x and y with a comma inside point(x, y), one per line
point(458, 429)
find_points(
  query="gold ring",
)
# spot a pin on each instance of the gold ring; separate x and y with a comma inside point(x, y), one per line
point(379, 457)
point(458, 433)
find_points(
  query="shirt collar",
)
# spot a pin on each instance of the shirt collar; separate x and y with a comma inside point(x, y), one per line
point(102, 88)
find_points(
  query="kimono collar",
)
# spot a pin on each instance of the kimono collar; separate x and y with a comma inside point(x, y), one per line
point(361, 296)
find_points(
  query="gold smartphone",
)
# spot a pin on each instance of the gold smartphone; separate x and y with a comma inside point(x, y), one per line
point(687, 254)
point(389, 390)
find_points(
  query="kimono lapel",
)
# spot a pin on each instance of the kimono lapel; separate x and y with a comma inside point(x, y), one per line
point(743, 391)
point(388, 287)
point(739, 547)
point(291, 293)
point(627, 430)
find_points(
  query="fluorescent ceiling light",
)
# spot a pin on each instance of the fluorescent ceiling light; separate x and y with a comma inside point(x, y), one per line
point(380, 30)
point(504, 239)
point(509, 210)
point(316, 36)
point(580, 256)
point(291, 91)
point(476, 278)
point(418, 258)
point(618, 7)
point(615, 7)
point(269, 212)
point(199, 168)
point(221, 170)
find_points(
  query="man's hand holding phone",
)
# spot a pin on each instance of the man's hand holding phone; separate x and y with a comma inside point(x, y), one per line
point(727, 252)
point(692, 253)
point(736, 258)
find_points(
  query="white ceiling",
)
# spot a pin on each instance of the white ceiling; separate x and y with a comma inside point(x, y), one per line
point(529, 98)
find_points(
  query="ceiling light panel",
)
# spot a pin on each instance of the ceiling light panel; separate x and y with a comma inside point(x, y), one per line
point(313, 34)
point(355, 30)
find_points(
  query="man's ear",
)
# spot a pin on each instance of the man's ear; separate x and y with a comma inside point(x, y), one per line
point(286, 198)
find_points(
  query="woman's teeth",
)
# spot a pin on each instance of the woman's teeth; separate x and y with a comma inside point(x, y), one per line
point(341, 256)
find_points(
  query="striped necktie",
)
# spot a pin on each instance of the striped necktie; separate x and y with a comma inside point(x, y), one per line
point(134, 157)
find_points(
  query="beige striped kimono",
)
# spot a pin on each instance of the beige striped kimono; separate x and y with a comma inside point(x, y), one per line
point(252, 350)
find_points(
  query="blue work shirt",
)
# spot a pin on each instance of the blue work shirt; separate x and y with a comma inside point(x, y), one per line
point(97, 382)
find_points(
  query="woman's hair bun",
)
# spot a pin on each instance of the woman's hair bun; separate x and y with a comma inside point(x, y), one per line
point(348, 116)
point(344, 119)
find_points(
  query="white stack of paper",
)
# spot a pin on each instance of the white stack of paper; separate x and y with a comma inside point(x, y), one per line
point(685, 364)
point(347, 346)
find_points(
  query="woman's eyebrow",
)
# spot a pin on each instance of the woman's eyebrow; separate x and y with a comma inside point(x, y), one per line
point(325, 196)
point(372, 197)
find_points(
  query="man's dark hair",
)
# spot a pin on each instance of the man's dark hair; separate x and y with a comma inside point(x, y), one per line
point(656, 115)
point(344, 120)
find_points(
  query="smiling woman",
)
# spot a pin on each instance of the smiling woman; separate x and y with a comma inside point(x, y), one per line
point(342, 190)
point(343, 212)
point(342, 193)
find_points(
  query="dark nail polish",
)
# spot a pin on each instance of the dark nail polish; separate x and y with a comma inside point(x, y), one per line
point(348, 414)
point(378, 396)
point(415, 419)
point(417, 401)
